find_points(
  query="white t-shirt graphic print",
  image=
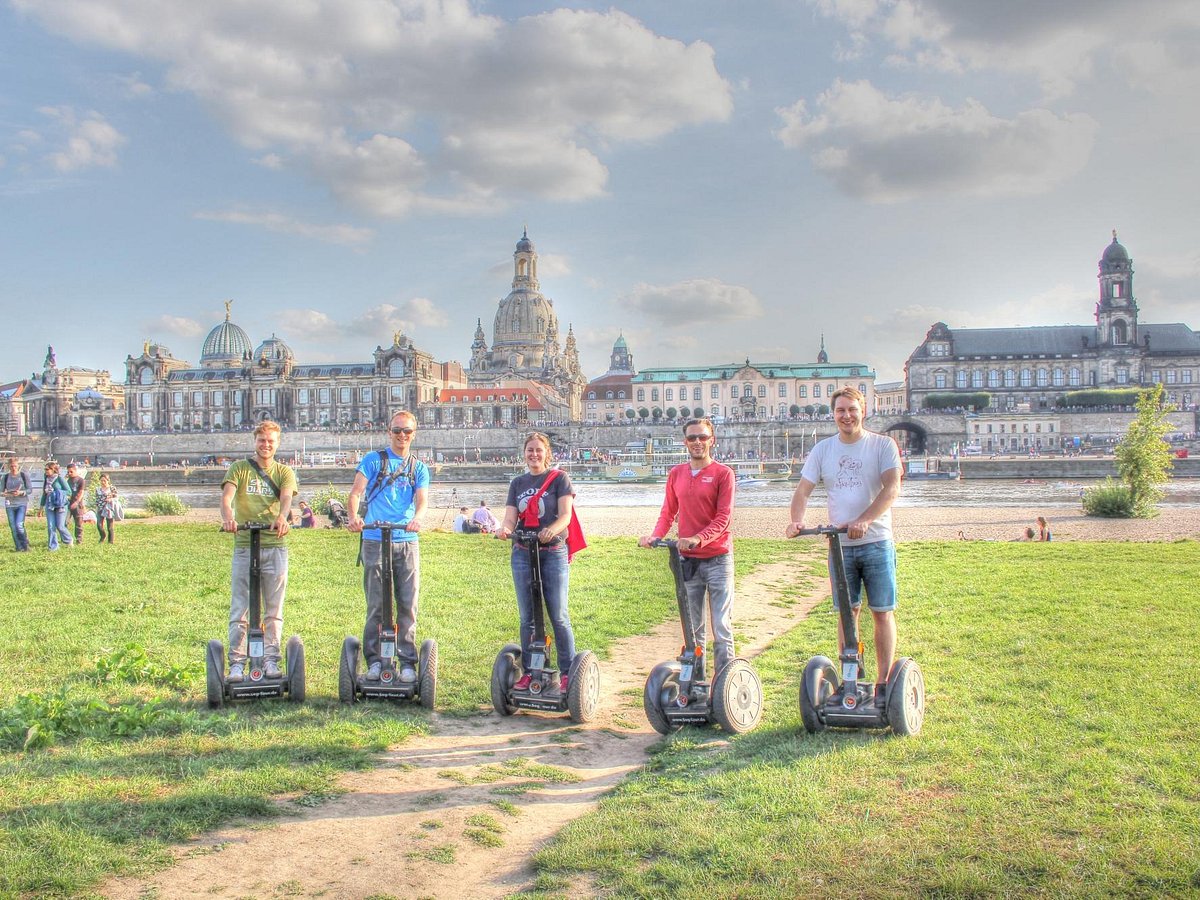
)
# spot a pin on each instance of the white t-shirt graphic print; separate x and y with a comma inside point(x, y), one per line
point(853, 477)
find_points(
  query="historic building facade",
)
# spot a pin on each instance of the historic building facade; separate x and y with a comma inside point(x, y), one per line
point(525, 347)
point(235, 385)
point(609, 397)
point(1030, 368)
point(67, 400)
point(750, 390)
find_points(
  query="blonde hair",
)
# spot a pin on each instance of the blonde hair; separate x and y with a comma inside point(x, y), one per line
point(267, 425)
point(853, 393)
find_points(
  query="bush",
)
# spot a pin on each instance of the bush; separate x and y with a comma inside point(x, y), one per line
point(320, 499)
point(164, 503)
point(1109, 499)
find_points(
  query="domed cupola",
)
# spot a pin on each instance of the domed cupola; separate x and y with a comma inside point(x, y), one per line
point(226, 345)
point(274, 350)
point(525, 245)
point(1114, 253)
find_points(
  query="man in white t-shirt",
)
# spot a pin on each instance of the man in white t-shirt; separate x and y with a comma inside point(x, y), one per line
point(861, 473)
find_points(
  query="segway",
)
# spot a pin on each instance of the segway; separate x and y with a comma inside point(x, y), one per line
point(544, 692)
point(853, 702)
point(352, 685)
point(677, 693)
point(255, 683)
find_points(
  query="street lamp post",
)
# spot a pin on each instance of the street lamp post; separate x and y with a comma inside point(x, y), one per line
point(152, 438)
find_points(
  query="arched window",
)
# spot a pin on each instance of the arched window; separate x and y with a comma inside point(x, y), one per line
point(396, 368)
point(591, 395)
point(1010, 378)
point(1076, 377)
point(960, 378)
point(146, 376)
point(1026, 378)
point(1043, 377)
point(1119, 333)
point(993, 378)
point(1058, 378)
point(608, 395)
point(977, 378)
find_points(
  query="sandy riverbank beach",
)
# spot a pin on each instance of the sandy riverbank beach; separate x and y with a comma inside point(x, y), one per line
point(986, 523)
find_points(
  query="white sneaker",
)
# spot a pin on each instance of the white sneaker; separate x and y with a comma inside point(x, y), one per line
point(408, 674)
point(236, 672)
point(271, 669)
point(373, 671)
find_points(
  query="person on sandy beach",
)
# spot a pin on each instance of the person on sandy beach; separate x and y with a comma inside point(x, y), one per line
point(861, 473)
point(1043, 529)
point(700, 493)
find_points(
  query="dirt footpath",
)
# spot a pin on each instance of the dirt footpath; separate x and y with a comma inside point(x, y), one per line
point(458, 813)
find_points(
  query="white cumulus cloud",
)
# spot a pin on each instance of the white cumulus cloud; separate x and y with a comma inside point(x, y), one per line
point(888, 149)
point(180, 326)
point(403, 106)
point(86, 142)
point(696, 301)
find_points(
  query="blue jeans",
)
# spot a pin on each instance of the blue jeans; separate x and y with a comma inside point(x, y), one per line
point(555, 581)
point(16, 524)
point(872, 566)
point(713, 577)
point(56, 527)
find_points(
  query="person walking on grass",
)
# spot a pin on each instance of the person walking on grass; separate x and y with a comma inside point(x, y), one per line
point(395, 487)
point(258, 490)
point(700, 494)
point(16, 503)
point(106, 507)
point(56, 494)
point(861, 473)
point(77, 505)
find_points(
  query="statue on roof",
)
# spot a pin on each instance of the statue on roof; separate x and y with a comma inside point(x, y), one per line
point(51, 361)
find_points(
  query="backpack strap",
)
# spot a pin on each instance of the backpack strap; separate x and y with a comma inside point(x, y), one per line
point(530, 519)
point(385, 479)
point(264, 476)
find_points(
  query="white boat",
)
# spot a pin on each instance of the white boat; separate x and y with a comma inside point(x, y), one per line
point(749, 481)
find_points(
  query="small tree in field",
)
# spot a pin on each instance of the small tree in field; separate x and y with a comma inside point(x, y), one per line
point(1144, 458)
point(629, 413)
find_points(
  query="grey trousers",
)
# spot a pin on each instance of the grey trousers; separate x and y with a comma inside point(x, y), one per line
point(713, 577)
point(406, 586)
point(273, 575)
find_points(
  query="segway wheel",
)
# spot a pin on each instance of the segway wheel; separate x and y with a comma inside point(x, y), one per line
point(504, 675)
point(294, 656)
point(427, 665)
point(662, 689)
point(817, 685)
point(737, 697)
point(215, 672)
point(906, 697)
point(348, 671)
point(583, 691)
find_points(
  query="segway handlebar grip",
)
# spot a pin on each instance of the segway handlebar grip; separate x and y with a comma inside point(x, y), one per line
point(822, 529)
point(526, 537)
point(254, 526)
point(389, 526)
point(664, 542)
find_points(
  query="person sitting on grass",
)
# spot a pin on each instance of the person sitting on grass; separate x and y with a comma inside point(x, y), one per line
point(463, 523)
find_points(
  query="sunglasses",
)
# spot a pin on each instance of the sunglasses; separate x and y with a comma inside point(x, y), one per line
point(697, 437)
point(403, 430)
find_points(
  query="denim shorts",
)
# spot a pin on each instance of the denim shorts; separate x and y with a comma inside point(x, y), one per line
point(872, 566)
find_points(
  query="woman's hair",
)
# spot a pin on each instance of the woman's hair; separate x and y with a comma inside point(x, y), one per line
point(104, 476)
point(1041, 520)
point(538, 436)
point(52, 467)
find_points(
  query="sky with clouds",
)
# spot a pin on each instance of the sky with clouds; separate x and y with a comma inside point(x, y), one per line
point(716, 181)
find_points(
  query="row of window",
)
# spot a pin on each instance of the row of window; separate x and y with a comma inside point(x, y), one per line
point(1037, 428)
point(745, 390)
point(1072, 377)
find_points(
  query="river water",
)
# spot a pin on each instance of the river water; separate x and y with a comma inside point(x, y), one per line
point(970, 493)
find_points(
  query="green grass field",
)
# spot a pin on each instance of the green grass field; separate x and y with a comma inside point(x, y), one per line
point(107, 750)
point(1058, 758)
point(1058, 755)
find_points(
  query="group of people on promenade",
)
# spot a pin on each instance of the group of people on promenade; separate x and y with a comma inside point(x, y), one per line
point(859, 469)
point(63, 501)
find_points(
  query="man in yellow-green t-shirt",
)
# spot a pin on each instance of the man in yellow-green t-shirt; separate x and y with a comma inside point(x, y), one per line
point(258, 489)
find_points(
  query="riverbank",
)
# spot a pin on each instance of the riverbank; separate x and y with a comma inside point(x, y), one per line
point(925, 523)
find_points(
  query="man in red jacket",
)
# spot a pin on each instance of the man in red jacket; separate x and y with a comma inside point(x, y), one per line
point(700, 495)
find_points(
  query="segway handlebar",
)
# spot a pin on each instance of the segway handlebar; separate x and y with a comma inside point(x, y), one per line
point(664, 542)
point(822, 529)
point(388, 526)
point(526, 537)
point(253, 526)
